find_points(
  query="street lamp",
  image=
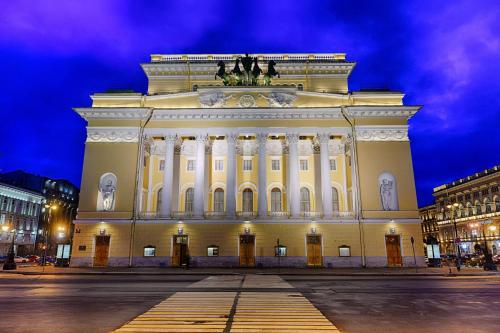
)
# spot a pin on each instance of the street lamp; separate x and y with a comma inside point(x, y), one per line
point(10, 263)
point(452, 209)
point(50, 208)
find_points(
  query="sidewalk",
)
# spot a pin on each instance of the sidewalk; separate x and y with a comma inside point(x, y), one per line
point(427, 271)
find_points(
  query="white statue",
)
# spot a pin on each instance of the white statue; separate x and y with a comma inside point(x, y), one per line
point(107, 192)
point(214, 99)
point(388, 192)
point(280, 99)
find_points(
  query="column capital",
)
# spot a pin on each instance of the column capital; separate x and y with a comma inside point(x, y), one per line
point(232, 138)
point(323, 137)
point(292, 138)
point(201, 137)
point(261, 138)
point(171, 138)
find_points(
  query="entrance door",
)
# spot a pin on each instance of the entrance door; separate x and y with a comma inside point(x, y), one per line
point(247, 250)
point(101, 254)
point(314, 256)
point(393, 246)
point(180, 251)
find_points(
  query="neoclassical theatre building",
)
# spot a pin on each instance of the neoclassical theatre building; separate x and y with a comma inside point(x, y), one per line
point(237, 160)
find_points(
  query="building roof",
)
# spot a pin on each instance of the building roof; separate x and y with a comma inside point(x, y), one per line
point(467, 179)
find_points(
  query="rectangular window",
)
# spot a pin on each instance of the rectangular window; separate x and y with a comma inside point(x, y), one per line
point(304, 166)
point(219, 165)
point(247, 165)
point(280, 251)
point(149, 251)
point(333, 164)
point(344, 251)
point(190, 165)
point(162, 165)
point(213, 251)
point(275, 165)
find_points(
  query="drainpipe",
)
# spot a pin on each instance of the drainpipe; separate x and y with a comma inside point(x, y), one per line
point(358, 187)
point(136, 186)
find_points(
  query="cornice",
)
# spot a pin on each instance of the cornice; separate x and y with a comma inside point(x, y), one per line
point(112, 134)
point(246, 114)
point(382, 133)
point(130, 113)
point(382, 111)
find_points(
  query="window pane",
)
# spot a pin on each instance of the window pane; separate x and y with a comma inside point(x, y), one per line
point(190, 165)
point(219, 165)
point(162, 165)
point(304, 200)
point(247, 165)
point(335, 200)
point(247, 200)
point(303, 165)
point(275, 200)
point(188, 205)
point(275, 165)
point(219, 200)
point(333, 165)
point(158, 200)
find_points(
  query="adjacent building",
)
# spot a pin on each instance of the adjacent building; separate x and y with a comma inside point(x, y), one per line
point(55, 227)
point(223, 165)
point(19, 215)
point(466, 212)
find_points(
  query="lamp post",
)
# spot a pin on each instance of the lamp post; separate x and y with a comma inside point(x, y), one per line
point(10, 263)
point(49, 216)
point(452, 209)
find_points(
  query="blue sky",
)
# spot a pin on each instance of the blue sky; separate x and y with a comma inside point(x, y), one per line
point(442, 54)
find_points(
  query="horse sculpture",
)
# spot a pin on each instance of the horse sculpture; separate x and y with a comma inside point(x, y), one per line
point(221, 72)
point(271, 72)
point(256, 71)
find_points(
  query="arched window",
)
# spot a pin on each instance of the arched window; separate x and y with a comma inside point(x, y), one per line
point(305, 204)
point(158, 199)
point(219, 200)
point(478, 207)
point(276, 200)
point(188, 204)
point(496, 203)
point(335, 200)
point(487, 206)
point(247, 200)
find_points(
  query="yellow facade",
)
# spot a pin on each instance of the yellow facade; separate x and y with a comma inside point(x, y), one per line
point(194, 164)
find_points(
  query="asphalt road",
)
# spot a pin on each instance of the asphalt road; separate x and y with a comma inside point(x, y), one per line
point(59, 304)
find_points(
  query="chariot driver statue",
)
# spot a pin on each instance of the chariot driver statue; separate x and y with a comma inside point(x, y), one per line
point(247, 62)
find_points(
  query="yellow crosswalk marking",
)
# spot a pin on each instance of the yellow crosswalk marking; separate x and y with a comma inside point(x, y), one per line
point(244, 312)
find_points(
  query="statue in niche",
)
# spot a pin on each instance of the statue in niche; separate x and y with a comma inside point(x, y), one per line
point(388, 193)
point(107, 192)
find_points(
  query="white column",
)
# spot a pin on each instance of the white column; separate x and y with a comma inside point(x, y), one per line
point(168, 176)
point(344, 176)
point(231, 175)
point(326, 182)
point(293, 166)
point(199, 182)
point(354, 176)
point(262, 198)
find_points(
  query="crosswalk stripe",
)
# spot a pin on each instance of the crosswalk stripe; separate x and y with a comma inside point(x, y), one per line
point(235, 312)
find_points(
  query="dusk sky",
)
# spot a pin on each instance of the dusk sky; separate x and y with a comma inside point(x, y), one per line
point(444, 55)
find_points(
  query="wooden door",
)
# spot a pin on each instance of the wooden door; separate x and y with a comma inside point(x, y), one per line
point(247, 250)
point(314, 255)
point(180, 251)
point(393, 247)
point(101, 254)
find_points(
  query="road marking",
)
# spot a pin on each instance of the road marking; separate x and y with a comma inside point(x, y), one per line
point(278, 312)
point(236, 312)
point(205, 312)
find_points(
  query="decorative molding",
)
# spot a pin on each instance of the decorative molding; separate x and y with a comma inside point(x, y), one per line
point(246, 101)
point(306, 147)
point(292, 138)
point(249, 114)
point(112, 134)
point(113, 113)
point(213, 99)
point(280, 99)
point(381, 111)
point(382, 133)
